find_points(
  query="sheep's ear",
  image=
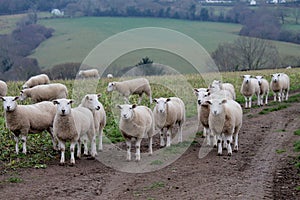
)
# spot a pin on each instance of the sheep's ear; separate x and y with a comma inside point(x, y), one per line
point(99, 95)
point(207, 90)
point(133, 106)
point(55, 102)
point(16, 98)
point(71, 101)
point(207, 102)
point(119, 106)
point(208, 93)
point(2, 98)
point(155, 100)
point(196, 91)
point(22, 91)
point(168, 99)
point(224, 101)
point(278, 75)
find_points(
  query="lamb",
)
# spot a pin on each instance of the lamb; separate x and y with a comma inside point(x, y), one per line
point(136, 122)
point(90, 73)
point(264, 89)
point(36, 80)
point(91, 102)
point(129, 87)
point(72, 124)
point(45, 92)
point(25, 119)
point(218, 85)
point(3, 88)
point(167, 113)
point(225, 118)
point(250, 87)
point(280, 84)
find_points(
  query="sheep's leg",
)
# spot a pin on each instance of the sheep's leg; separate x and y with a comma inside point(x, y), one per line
point(250, 102)
point(224, 139)
point(279, 96)
point(169, 137)
point(266, 100)
point(138, 149)
point(100, 148)
point(62, 150)
point(128, 144)
point(162, 140)
point(236, 140)
point(214, 138)
point(24, 139)
point(72, 150)
point(229, 150)
point(275, 96)
point(258, 100)
point(287, 95)
point(78, 149)
point(207, 137)
point(180, 133)
point(262, 100)
point(150, 145)
point(93, 146)
point(219, 137)
point(86, 149)
point(150, 98)
point(140, 99)
point(17, 144)
point(246, 102)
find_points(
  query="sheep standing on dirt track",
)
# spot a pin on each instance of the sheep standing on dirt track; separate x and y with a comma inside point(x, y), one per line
point(70, 124)
point(90, 73)
point(264, 89)
point(36, 80)
point(280, 84)
point(250, 87)
point(45, 92)
point(24, 119)
point(129, 87)
point(136, 122)
point(3, 88)
point(225, 118)
point(91, 102)
point(218, 85)
point(167, 113)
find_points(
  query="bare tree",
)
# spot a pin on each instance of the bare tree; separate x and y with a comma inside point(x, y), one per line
point(246, 53)
point(296, 14)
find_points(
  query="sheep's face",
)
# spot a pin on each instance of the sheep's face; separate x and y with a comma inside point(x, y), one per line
point(126, 111)
point(23, 96)
point(63, 106)
point(111, 86)
point(201, 94)
point(161, 104)
point(216, 106)
point(247, 79)
point(9, 103)
point(91, 101)
point(215, 86)
point(275, 77)
point(259, 79)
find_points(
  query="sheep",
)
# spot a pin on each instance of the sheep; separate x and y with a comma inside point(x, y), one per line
point(136, 122)
point(72, 124)
point(25, 119)
point(90, 73)
point(36, 80)
point(134, 86)
point(225, 118)
point(109, 76)
point(218, 85)
point(45, 92)
point(168, 112)
point(91, 102)
point(280, 84)
point(250, 87)
point(264, 89)
point(3, 88)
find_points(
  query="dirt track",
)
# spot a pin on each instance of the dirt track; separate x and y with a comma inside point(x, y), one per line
point(255, 172)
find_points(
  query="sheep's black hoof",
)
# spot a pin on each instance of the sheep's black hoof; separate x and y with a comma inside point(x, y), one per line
point(235, 150)
point(72, 164)
point(229, 154)
point(215, 146)
point(219, 154)
point(90, 158)
point(61, 164)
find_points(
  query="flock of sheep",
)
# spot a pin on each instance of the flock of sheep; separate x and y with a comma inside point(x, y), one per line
point(218, 113)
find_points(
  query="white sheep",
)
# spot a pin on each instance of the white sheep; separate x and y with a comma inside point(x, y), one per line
point(250, 87)
point(264, 89)
point(3, 88)
point(72, 124)
point(109, 76)
point(218, 85)
point(136, 122)
point(89, 73)
point(167, 113)
point(91, 102)
point(47, 92)
point(225, 120)
point(280, 85)
point(25, 119)
point(36, 80)
point(129, 87)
